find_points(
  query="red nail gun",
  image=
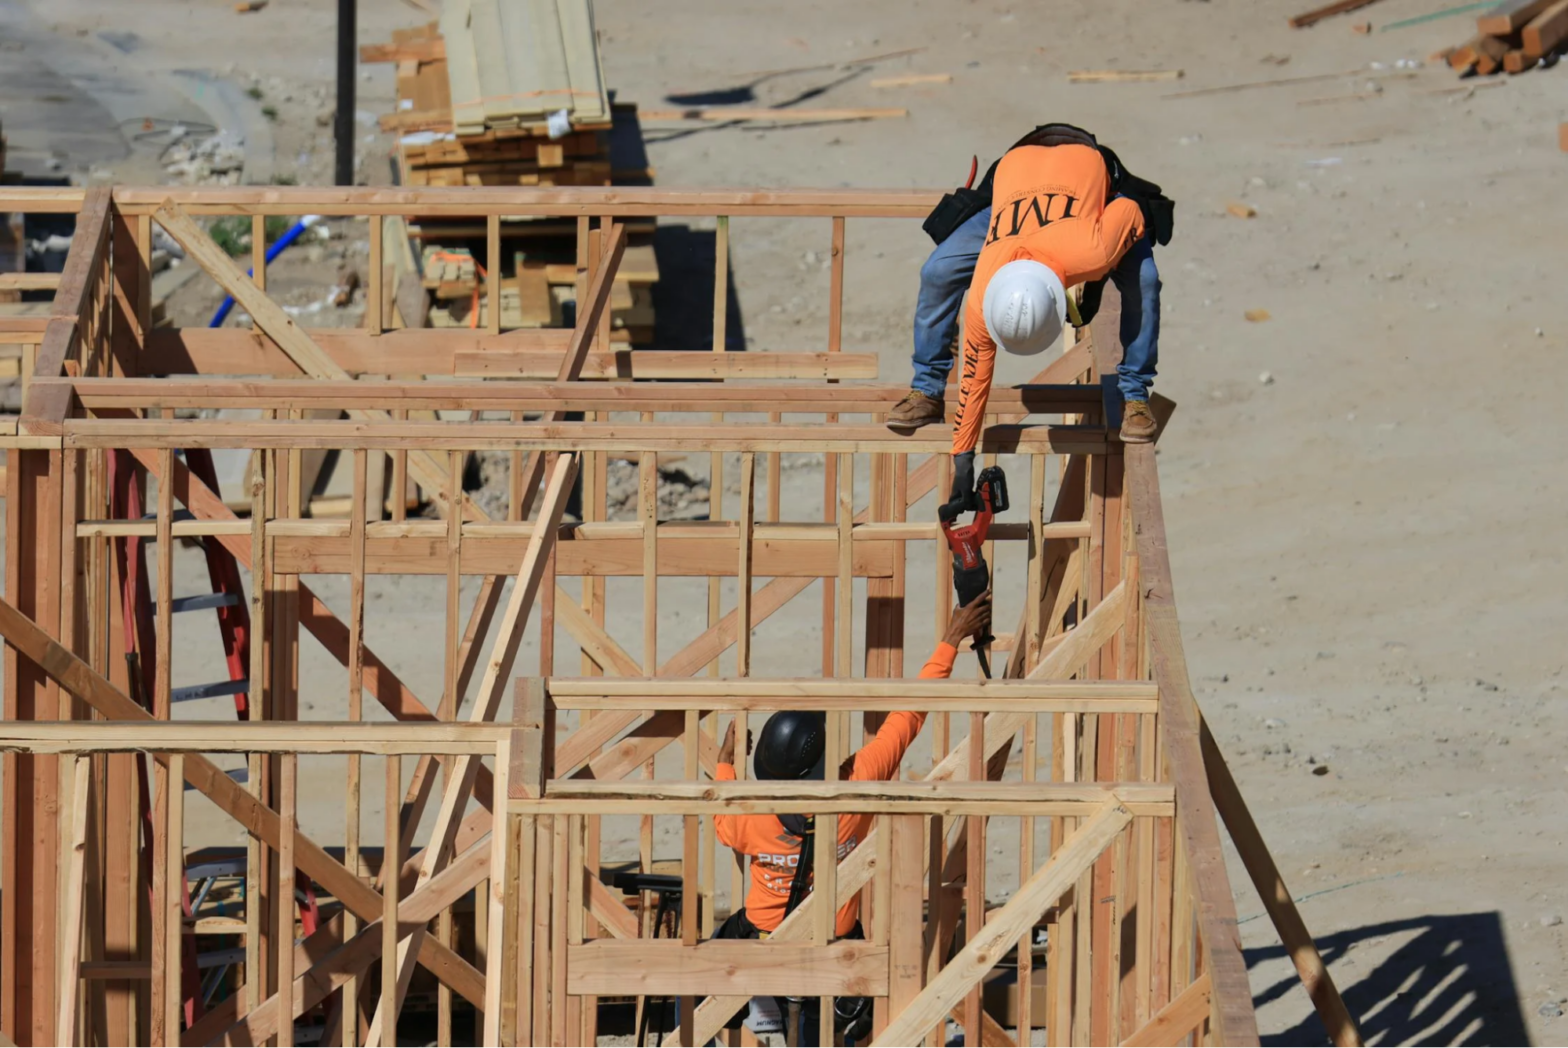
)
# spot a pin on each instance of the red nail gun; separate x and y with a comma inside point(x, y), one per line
point(971, 575)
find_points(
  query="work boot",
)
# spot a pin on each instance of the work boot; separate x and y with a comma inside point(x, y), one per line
point(1138, 425)
point(915, 410)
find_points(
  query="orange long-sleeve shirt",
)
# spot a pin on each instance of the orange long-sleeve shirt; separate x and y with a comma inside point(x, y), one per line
point(1047, 205)
point(776, 853)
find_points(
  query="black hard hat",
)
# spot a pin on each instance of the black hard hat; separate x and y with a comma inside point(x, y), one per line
point(791, 746)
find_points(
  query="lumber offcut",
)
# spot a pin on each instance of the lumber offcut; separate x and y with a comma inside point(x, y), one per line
point(1317, 15)
point(1510, 16)
point(1546, 32)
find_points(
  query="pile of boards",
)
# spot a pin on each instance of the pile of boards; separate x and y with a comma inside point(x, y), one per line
point(514, 149)
point(1515, 36)
point(510, 93)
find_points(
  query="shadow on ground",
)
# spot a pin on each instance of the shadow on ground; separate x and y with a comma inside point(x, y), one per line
point(1450, 982)
point(683, 297)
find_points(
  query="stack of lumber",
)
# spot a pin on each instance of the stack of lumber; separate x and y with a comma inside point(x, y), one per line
point(513, 67)
point(513, 62)
point(502, 158)
point(1515, 36)
point(516, 149)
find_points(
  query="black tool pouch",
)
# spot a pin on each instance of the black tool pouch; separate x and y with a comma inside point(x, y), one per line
point(953, 210)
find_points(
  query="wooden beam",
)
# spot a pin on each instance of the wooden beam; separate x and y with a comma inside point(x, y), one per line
point(1275, 894)
point(1040, 695)
point(531, 354)
point(999, 934)
point(666, 968)
point(74, 902)
point(700, 555)
point(145, 735)
point(571, 796)
point(470, 202)
point(522, 395)
point(578, 436)
point(1317, 15)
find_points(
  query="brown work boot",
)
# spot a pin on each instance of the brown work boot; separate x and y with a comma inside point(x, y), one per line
point(1138, 425)
point(915, 410)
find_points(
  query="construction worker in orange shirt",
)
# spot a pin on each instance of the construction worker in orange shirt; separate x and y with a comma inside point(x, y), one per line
point(791, 746)
point(1057, 210)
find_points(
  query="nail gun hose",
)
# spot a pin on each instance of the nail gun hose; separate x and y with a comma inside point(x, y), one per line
point(272, 252)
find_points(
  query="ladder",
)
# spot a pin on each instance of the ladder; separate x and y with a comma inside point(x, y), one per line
point(227, 599)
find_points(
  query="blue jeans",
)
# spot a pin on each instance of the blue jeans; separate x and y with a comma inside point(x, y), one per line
point(945, 278)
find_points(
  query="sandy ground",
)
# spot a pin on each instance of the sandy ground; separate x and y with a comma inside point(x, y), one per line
point(1360, 495)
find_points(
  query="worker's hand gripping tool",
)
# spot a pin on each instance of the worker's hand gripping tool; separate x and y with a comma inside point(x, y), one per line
point(971, 575)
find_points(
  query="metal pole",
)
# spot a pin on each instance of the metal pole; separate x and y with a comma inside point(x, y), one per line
point(344, 128)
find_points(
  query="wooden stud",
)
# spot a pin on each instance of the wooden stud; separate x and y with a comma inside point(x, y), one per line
point(375, 283)
point(71, 936)
point(648, 514)
point(825, 871)
point(258, 251)
point(743, 581)
point(391, 859)
point(452, 699)
point(493, 267)
point(261, 503)
point(500, 855)
point(775, 476)
point(399, 476)
point(1025, 947)
point(721, 282)
point(174, 890)
point(356, 689)
point(846, 584)
point(836, 287)
point(974, 882)
point(287, 783)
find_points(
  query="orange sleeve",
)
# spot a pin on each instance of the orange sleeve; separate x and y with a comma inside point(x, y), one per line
point(974, 388)
point(878, 760)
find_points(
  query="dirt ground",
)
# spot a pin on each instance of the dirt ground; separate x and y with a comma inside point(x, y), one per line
point(1363, 511)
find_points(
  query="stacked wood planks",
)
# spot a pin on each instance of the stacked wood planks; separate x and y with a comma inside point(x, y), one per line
point(510, 65)
point(500, 158)
point(514, 150)
point(1515, 36)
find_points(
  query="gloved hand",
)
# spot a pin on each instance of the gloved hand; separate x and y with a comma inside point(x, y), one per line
point(962, 498)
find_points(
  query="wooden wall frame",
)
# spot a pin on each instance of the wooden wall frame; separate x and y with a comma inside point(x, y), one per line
point(1117, 783)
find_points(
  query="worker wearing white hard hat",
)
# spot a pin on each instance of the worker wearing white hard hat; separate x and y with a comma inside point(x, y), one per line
point(1054, 224)
point(1058, 210)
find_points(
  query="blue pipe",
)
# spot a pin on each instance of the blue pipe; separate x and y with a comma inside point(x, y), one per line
point(272, 252)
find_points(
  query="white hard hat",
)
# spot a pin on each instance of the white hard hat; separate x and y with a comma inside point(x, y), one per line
point(1024, 306)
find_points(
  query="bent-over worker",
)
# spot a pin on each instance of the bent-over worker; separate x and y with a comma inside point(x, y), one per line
point(1057, 210)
